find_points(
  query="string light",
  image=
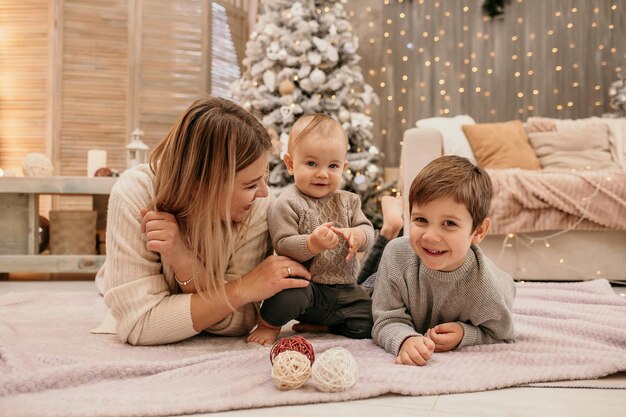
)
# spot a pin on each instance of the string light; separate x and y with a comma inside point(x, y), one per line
point(466, 69)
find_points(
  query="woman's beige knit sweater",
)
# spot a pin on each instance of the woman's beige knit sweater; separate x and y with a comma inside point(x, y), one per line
point(146, 306)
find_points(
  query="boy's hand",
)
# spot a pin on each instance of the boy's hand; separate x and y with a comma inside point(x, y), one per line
point(415, 350)
point(446, 336)
point(350, 236)
point(322, 238)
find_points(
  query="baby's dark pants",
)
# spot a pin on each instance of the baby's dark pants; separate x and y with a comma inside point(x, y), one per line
point(345, 309)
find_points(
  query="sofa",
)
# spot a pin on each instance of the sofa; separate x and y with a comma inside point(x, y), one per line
point(550, 221)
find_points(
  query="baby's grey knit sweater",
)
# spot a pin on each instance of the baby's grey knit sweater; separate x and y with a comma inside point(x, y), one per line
point(294, 215)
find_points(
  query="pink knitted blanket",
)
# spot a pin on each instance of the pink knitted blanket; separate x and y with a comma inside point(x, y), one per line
point(531, 201)
point(51, 365)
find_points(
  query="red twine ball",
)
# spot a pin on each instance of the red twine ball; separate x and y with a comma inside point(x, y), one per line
point(297, 343)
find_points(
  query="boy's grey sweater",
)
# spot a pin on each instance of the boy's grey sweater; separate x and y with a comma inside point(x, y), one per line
point(294, 215)
point(410, 298)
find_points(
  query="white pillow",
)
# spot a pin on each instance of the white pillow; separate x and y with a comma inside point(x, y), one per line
point(454, 140)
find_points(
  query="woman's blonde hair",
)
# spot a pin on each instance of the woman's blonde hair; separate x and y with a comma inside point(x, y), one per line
point(195, 166)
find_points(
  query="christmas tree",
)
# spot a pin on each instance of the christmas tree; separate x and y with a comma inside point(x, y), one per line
point(301, 59)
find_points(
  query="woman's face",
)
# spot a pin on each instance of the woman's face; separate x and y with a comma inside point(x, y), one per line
point(249, 185)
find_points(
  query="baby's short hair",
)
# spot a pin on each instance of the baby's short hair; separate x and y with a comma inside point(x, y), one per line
point(456, 177)
point(316, 123)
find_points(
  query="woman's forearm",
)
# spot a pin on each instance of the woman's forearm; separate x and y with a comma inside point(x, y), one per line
point(212, 308)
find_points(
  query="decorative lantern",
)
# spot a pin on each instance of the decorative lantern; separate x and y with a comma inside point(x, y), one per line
point(136, 150)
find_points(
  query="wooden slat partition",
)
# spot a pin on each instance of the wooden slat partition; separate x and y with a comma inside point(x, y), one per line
point(24, 80)
point(77, 75)
point(170, 66)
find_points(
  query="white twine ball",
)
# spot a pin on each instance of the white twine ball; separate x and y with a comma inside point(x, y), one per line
point(334, 370)
point(290, 370)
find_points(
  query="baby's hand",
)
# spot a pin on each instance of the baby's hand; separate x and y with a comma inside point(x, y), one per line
point(322, 238)
point(415, 350)
point(349, 236)
point(446, 336)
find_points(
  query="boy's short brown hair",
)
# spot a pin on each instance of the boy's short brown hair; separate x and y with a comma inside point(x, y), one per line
point(456, 177)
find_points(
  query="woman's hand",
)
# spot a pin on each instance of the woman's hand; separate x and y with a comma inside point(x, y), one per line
point(274, 274)
point(164, 237)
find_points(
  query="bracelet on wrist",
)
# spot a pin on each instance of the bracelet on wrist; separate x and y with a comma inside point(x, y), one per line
point(183, 283)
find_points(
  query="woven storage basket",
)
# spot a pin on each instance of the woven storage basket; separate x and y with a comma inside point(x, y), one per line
point(73, 232)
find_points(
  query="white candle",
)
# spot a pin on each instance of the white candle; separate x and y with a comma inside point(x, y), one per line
point(96, 159)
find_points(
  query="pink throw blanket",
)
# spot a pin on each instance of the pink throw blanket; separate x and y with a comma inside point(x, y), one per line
point(532, 201)
point(51, 365)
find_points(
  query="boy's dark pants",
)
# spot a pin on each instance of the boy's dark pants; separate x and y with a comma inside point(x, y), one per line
point(346, 309)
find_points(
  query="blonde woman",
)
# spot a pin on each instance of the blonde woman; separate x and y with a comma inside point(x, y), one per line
point(187, 238)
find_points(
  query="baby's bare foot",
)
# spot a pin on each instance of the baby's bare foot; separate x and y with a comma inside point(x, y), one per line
point(263, 335)
point(310, 328)
point(392, 216)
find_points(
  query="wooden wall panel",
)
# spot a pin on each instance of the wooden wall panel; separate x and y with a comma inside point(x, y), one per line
point(93, 88)
point(170, 67)
point(77, 75)
point(24, 80)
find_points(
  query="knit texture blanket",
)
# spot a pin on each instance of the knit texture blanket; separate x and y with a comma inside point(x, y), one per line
point(51, 365)
point(532, 201)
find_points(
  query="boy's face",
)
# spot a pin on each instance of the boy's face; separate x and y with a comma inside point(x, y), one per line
point(317, 164)
point(441, 233)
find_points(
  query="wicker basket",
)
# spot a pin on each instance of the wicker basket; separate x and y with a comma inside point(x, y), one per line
point(73, 232)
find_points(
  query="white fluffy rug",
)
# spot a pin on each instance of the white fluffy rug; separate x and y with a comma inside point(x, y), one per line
point(51, 365)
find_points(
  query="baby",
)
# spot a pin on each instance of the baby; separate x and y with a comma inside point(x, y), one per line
point(316, 223)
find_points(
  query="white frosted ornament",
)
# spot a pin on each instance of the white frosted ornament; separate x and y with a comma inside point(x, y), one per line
point(334, 370)
point(317, 77)
point(287, 114)
point(269, 79)
point(290, 370)
point(272, 51)
point(344, 115)
point(306, 85)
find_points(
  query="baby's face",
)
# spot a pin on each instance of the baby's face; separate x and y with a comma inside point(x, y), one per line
point(441, 233)
point(317, 164)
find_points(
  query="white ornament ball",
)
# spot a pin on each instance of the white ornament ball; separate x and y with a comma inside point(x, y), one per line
point(290, 370)
point(317, 77)
point(344, 115)
point(334, 370)
point(36, 164)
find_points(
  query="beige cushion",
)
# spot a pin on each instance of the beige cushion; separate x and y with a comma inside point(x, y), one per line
point(617, 126)
point(586, 147)
point(501, 145)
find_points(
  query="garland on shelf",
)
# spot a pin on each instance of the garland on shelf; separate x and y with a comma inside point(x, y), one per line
point(493, 8)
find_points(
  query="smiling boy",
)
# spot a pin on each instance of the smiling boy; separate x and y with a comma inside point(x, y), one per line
point(436, 290)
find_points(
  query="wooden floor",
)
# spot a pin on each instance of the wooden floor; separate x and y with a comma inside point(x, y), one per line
point(527, 401)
